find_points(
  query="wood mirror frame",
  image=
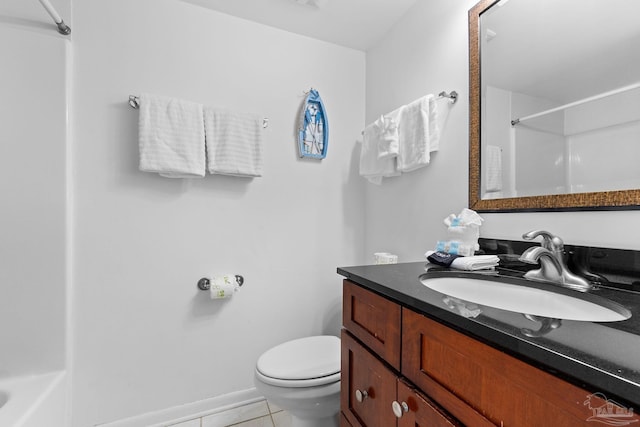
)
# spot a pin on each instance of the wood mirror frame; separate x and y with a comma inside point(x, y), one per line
point(605, 200)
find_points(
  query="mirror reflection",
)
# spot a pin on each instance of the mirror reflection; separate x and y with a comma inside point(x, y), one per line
point(559, 97)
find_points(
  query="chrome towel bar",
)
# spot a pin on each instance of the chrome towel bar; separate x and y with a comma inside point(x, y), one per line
point(134, 102)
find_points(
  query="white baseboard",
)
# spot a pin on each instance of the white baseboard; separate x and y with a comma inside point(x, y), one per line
point(190, 411)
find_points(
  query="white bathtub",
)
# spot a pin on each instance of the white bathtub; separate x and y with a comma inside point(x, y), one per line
point(33, 401)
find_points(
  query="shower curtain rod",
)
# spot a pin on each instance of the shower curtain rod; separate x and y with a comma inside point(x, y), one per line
point(62, 27)
point(573, 104)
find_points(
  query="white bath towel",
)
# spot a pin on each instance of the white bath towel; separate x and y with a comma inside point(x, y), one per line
point(171, 137)
point(418, 133)
point(493, 168)
point(372, 167)
point(234, 142)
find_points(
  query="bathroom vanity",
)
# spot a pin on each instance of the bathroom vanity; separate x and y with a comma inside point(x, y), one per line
point(412, 356)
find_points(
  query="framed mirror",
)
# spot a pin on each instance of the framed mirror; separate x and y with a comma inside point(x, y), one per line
point(554, 105)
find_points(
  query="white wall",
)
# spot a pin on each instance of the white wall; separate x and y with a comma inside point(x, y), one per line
point(427, 52)
point(145, 337)
point(33, 108)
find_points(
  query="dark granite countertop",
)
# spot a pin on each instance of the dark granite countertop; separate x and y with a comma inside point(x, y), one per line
point(597, 356)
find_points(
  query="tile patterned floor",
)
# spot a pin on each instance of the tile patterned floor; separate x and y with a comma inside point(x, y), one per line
point(259, 414)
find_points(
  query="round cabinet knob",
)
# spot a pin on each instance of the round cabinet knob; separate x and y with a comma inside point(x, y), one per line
point(361, 395)
point(399, 409)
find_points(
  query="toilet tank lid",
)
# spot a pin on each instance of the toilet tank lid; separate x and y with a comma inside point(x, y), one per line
point(301, 359)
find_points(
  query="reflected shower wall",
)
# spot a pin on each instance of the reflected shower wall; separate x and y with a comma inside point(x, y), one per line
point(585, 148)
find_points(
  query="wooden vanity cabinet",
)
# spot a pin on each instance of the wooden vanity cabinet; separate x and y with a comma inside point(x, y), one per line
point(370, 390)
point(439, 377)
point(370, 382)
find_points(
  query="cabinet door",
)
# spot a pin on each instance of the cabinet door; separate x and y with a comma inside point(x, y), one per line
point(416, 410)
point(374, 320)
point(469, 378)
point(368, 387)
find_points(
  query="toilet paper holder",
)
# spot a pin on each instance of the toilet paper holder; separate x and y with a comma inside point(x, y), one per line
point(204, 284)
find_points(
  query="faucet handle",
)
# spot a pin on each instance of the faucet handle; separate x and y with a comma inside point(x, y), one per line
point(549, 241)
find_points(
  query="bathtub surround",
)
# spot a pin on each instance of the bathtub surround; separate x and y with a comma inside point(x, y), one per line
point(34, 400)
point(33, 224)
point(32, 189)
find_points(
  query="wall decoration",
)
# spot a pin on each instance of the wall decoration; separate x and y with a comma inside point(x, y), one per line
point(313, 131)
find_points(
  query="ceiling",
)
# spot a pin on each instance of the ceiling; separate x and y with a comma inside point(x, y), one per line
point(357, 24)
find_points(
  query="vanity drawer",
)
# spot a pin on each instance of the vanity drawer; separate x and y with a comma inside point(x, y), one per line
point(453, 369)
point(374, 320)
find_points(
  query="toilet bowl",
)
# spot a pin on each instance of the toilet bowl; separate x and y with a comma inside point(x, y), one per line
point(302, 377)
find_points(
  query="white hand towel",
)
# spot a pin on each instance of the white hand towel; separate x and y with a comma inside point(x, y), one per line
point(234, 142)
point(418, 133)
point(494, 169)
point(372, 167)
point(171, 137)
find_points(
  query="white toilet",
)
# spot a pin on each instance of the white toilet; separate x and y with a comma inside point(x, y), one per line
point(302, 377)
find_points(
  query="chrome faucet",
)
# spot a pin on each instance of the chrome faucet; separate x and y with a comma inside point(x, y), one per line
point(550, 255)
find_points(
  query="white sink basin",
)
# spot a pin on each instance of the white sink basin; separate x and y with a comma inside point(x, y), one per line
point(537, 299)
point(4, 398)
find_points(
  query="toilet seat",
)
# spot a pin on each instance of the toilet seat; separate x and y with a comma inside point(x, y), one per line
point(304, 362)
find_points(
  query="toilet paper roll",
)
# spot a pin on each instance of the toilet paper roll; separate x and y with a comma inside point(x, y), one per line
point(223, 286)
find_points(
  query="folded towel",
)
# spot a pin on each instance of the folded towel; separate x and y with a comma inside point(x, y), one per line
point(171, 137)
point(476, 262)
point(493, 169)
point(234, 142)
point(372, 167)
point(472, 263)
point(418, 133)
